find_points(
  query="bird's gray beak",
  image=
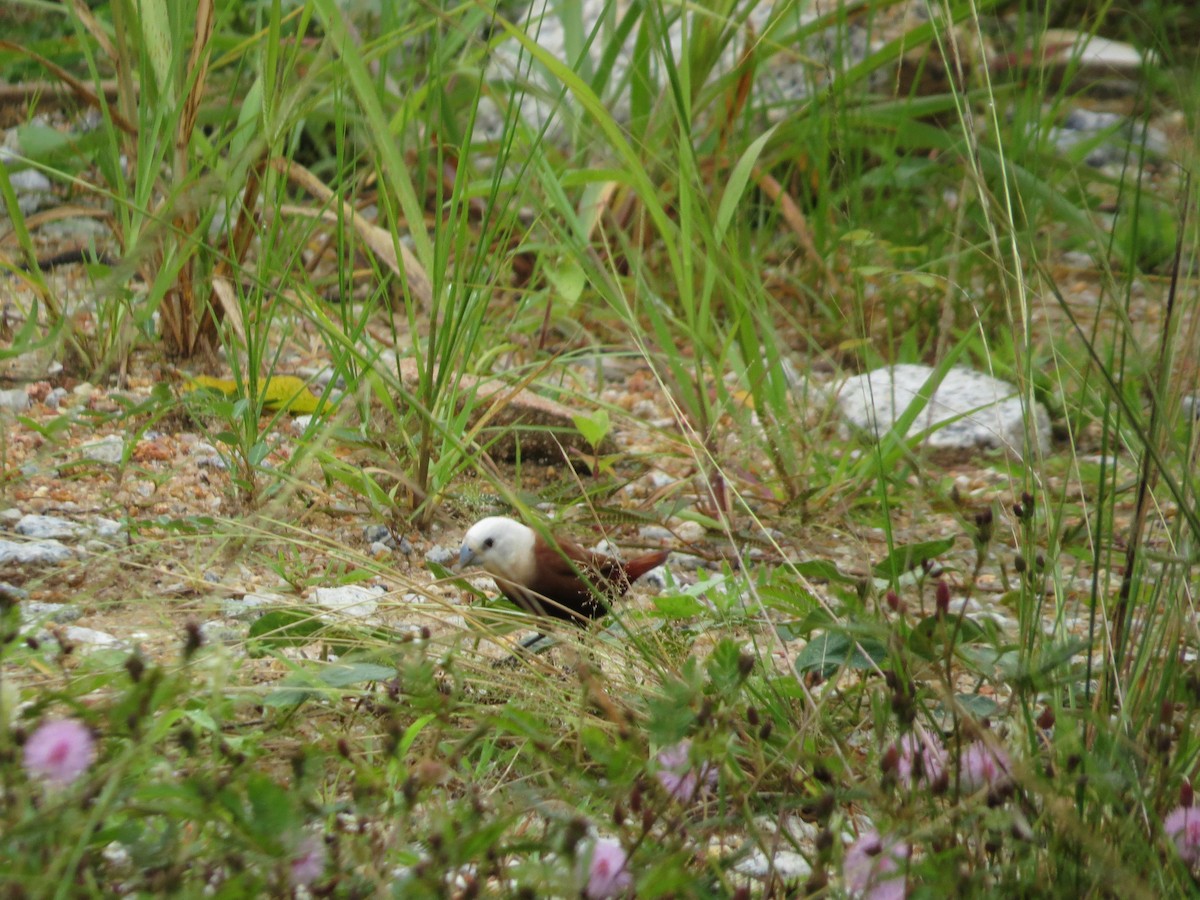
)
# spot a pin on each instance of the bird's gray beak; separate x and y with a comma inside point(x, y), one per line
point(466, 556)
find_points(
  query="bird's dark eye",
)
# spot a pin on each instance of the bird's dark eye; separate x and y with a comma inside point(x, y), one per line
point(487, 545)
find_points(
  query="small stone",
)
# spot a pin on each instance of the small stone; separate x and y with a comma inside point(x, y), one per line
point(690, 532)
point(77, 634)
point(107, 528)
point(34, 553)
point(110, 450)
point(55, 398)
point(15, 399)
point(35, 612)
point(378, 534)
point(659, 480)
point(352, 599)
point(43, 527)
point(12, 593)
point(250, 606)
point(218, 632)
point(688, 562)
point(787, 865)
point(442, 556)
point(380, 549)
point(10, 516)
point(656, 534)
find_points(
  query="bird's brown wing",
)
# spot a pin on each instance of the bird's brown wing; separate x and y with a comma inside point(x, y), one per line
point(563, 583)
point(575, 584)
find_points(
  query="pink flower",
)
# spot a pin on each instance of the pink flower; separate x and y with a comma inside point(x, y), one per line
point(607, 874)
point(984, 765)
point(920, 758)
point(308, 863)
point(872, 868)
point(59, 751)
point(1182, 825)
point(679, 777)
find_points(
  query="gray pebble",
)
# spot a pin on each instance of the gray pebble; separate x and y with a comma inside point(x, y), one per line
point(378, 534)
point(12, 593)
point(36, 612)
point(218, 632)
point(653, 534)
point(250, 606)
point(33, 553)
point(110, 449)
point(15, 399)
point(90, 637)
point(36, 526)
point(442, 556)
point(351, 599)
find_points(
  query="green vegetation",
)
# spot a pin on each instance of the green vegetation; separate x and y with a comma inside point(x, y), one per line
point(978, 680)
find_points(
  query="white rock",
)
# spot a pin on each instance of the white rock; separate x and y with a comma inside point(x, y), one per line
point(36, 526)
point(968, 411)
point(30, 553)
point(353, 600)
point(15, 399)
point(109, 450)
point(77, 634)
point(788, 865)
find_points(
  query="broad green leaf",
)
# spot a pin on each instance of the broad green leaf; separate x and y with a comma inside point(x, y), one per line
point(678, 606)
point(907, 557)
point(343, 675)
point(594, 427)
point(829, 652)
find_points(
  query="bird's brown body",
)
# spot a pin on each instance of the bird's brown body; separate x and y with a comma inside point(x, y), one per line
point(560, 579)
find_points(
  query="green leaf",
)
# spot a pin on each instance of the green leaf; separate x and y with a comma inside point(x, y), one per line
point(272, 809)
point(594, 427)
point(907, 557)
point(723, 666)
point(568, 279)
point(285, 628)
point(824, 570)
point(678, 606)
point(829, 652)
point(977, 705)
point(343, 674)
point(735, 187)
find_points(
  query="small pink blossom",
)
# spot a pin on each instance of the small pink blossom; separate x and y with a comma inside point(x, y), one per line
point(920, 758)
point(308, 863)
point(679, 777)
point(873, 867)
point(1182, 825)
point(608, 873)
point(59, 751)
point(984, 765)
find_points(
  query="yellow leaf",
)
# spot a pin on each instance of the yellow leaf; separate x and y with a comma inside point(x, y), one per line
point(285, 392)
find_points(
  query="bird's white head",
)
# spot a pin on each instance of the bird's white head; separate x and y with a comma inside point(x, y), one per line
point(503, 547)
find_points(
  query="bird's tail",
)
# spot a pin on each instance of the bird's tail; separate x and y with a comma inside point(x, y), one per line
point(636, 568)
